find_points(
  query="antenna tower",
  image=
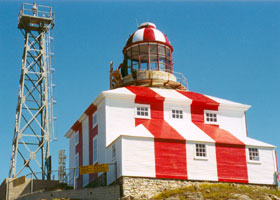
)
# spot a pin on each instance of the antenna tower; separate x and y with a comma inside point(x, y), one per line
point(34, 125)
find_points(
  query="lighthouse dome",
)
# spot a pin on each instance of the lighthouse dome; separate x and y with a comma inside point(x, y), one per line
point(147, 32)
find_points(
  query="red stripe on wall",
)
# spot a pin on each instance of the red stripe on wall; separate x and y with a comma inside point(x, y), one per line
point(231, 163)
point(220, 136)
point(79, 150)
point(170, 157)
point(160, 129)
point(276, 164)
point(230, 152)
point(170, 162)
point(145, 95)
point(93, 131)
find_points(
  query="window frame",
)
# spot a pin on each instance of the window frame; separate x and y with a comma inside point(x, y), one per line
point(114, 151)
point(196, 157)
point(142, 106)
point(94, 123)
point(94, 151)
point(210, 112)
point(258, 154)
point(77, 168)
point(176, 109)
point(77, 139)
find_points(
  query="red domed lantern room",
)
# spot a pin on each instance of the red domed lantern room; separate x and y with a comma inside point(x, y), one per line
point(147, 61)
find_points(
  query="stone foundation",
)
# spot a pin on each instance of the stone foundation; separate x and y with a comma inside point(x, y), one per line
point(145, 188)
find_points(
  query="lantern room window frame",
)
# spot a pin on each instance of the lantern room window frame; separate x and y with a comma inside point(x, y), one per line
point(143, 56)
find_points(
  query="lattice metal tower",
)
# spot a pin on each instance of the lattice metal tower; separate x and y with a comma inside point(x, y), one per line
point(34, 112)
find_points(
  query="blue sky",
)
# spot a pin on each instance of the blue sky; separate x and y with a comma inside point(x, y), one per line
point(225, 49)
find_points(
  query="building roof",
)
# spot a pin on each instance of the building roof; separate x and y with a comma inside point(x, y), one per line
point(147, 32)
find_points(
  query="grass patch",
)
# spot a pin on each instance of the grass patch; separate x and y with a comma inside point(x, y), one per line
point(220, 191)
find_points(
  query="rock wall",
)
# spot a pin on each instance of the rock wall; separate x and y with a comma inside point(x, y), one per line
point(145, 188)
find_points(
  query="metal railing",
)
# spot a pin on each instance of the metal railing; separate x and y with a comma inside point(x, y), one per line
point(36, 10)
point(70, 178)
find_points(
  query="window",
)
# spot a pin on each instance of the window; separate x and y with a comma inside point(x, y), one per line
point(113, 151)
point(94, 120)
point(95, 150)
point(210, 117)
point(200, 150)
point(177, 114)
point(254, 154)
point(77, 166)
point(77, 138)
point(142, 111)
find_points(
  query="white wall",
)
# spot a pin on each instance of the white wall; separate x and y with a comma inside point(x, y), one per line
point(232, 121)
point(202, 169)
point(119, 117)
point(185, 127)
point(101, 135)
point(262, 172)
point(111, 175)
point(138, 157)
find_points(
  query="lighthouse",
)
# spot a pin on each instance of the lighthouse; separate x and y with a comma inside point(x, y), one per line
point(151, 130)
point(148, 61)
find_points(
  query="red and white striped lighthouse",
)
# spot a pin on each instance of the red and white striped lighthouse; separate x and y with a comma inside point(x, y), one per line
point(150, 125)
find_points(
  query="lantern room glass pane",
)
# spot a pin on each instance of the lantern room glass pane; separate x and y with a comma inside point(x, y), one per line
point(144, 58)
point(154, 66)
point(141, 56)
point(144, 66)
point(168, 52)
point(153, 48)
point(153, 58)
point(161, 67)
point(161, 50)
point(143, 49)
point(135, 53)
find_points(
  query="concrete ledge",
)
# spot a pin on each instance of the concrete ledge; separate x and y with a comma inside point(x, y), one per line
point(97, 193)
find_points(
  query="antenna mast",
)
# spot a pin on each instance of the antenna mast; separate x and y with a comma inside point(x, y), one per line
point(34, 112)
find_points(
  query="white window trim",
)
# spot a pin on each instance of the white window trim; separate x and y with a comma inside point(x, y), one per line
point(93, 146)
point(248, 156)
point(199, 157)
point(77, 174)
point(145, 106)
point(77, 140)
point(211, 112)
point(174, 108)
point(94, 124)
